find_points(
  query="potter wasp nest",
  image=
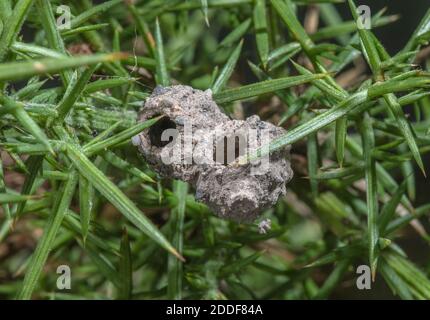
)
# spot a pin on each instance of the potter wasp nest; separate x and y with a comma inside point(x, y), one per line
point(196, 142)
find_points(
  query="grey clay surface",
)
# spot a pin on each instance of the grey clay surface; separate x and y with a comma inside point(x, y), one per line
point(237, 192)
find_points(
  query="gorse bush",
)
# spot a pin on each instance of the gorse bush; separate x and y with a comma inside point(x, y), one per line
point(75, 192)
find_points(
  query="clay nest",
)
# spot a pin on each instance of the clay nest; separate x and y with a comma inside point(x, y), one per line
point(196, 142)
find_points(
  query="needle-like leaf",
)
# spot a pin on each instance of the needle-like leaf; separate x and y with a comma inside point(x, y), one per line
point(118, 198)
point(21, 70)
point(368, 142)
point(175, 267)
point(13, 24)
point(44, 246)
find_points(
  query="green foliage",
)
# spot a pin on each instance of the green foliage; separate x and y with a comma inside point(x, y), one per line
point(75, 191)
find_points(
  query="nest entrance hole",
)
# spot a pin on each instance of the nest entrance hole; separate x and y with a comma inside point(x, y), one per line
point(156, 131)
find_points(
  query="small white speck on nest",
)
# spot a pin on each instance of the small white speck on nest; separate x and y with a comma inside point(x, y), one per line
point(135, 140)
point(264, 226)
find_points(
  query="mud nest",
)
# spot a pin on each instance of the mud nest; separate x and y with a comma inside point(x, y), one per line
point(196, 142)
